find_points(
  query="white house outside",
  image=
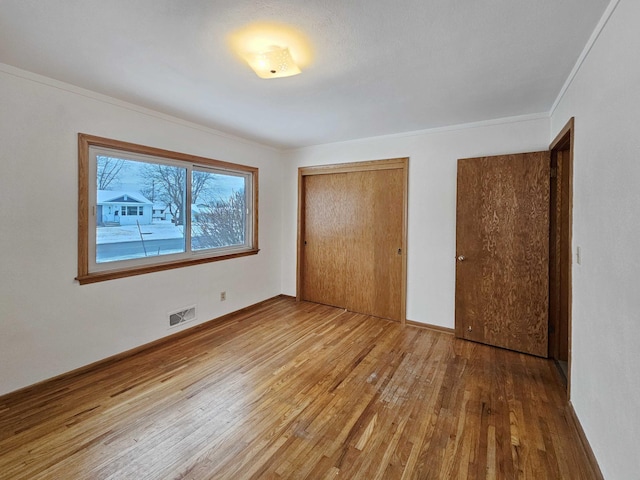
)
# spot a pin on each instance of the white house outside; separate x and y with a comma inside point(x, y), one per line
point(162, 213)
point(123, 208)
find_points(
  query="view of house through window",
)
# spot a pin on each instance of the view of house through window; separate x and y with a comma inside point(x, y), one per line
point(146, 209)
point(141, 209)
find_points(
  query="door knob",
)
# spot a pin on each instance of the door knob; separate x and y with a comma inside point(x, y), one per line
point(461, 258)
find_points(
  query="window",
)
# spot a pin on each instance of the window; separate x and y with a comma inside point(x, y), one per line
point(209, 209)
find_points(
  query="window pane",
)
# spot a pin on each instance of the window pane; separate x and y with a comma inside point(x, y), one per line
point(128, 194)
point(218, 210)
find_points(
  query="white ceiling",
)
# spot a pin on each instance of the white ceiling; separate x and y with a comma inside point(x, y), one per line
point(379, 67)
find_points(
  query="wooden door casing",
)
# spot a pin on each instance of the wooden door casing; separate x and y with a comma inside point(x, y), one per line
point(555, 253)
point(502, 233)
point(561, 251)
point(352, 236)
point(565, 257)
point(560, 257)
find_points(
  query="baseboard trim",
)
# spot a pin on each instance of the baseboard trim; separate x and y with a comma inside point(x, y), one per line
point(593, 463)
point(134, 351)
point(428, 326)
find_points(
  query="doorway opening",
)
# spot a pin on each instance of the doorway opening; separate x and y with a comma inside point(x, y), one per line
point(560, 251)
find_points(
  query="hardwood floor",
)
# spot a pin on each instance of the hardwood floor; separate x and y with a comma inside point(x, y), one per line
point(298, 390)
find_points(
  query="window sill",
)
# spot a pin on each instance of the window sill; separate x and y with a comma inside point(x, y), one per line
point(157, 267)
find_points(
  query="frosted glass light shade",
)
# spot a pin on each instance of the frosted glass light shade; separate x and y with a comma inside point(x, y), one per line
point(275, 62)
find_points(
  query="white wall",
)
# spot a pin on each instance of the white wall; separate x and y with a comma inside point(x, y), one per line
point(50, 324)
point(432, 200)
point(605, 100)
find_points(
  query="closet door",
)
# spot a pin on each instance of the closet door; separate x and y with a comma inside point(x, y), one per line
point(374, 243)
point(352, 235)
point(326, 215)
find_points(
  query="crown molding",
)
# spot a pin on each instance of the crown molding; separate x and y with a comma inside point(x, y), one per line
point(585, 53)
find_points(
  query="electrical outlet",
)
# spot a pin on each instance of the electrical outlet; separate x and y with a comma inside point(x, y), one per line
point(223, 296)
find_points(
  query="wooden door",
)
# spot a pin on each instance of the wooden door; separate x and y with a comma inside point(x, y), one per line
point(502, 249)
point(374, 242)
point(352, 237)
point(325, 242)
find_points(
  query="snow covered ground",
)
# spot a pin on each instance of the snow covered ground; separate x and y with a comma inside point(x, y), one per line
point(130, 233)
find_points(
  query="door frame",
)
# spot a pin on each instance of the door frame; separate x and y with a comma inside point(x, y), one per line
point(388, 164)
point(564, 141)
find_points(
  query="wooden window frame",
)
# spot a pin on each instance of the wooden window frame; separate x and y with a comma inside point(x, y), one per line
point(85, 276)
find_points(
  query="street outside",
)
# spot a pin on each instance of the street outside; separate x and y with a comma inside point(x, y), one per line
point(125, 242)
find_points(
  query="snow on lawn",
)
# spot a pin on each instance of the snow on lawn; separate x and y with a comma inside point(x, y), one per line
point(130, 233)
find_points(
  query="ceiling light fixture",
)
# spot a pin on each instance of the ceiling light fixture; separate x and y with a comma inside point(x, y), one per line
point(273, 50)
point(274, 62)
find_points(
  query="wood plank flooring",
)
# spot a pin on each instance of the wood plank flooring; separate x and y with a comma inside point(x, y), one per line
point(298, 390)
